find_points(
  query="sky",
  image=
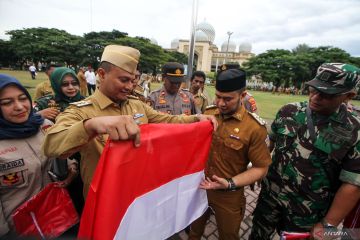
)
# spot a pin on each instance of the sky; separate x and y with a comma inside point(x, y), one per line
point(266, 24)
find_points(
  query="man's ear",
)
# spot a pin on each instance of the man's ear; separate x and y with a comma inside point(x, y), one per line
point(101, 72)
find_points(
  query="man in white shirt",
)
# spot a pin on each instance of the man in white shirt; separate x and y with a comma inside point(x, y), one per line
point(32, 70)
point(90, 79)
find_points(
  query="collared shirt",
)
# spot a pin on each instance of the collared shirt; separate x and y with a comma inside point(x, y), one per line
point(68, 135)
point(180, 103)
point(43, 89)
point(239, 139)
point(23, 173)
point(201, 101)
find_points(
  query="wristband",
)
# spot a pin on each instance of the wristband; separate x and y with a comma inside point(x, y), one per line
point(325, 224)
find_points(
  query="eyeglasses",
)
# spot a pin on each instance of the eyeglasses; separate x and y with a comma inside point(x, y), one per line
point(73, 83)
point(313, 90)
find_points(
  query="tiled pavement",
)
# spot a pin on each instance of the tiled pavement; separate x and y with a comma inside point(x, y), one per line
point(211, 232)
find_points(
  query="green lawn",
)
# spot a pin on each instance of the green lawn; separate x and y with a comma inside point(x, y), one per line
point(268, 103)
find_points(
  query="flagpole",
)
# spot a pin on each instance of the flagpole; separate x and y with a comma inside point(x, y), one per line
point(192, 42)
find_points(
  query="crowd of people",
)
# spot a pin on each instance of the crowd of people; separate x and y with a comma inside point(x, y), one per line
point(308, 163)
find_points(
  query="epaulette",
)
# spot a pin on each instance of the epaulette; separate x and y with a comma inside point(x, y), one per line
point(138, 92)
point(185, 89)
point(258, 118)
point(82, 103)
point(133, 97)
point(211, 107)
point(203, 96)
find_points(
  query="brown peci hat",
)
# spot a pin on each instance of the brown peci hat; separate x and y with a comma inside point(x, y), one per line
point(126, 58)
point(174, 71)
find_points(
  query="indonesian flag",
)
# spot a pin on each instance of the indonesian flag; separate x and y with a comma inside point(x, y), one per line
point(150, 192)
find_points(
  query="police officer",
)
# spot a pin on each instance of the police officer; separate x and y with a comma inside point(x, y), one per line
point(239, 139)
point(313, 181)
point(197, 83)
point(109, 113)
point(170, 98)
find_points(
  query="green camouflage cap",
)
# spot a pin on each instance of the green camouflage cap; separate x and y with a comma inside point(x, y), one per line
point(335, 78)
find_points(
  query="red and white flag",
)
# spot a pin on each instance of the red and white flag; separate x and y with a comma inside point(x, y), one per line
point(150, 192)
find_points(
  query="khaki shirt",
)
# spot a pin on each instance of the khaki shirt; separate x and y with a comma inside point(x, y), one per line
point(42, 89)
point(180, 103)
point(201, 101)
point(68, 135)
point(83, 83)
point(238, 140)
point(23, 173)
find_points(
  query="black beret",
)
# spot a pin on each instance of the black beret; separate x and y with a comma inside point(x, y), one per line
point(230, 80)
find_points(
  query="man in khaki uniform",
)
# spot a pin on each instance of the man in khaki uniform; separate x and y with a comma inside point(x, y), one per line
point(137, 90)
point(240, 139)
point(170, 99)
point(82, 80)
point(196, 86)
point(109, 113)
point(44, 88)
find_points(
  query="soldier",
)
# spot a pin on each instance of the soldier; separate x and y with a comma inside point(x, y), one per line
point(240, 139)
point(44, 88)
point(197, 84)
point(110, 112)
point(313, 181)
point(170, 99)
point(137, 90)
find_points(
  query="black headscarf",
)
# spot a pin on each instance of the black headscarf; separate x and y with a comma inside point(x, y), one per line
point(9, 130)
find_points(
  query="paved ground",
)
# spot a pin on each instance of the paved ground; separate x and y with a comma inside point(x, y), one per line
point(211, 232)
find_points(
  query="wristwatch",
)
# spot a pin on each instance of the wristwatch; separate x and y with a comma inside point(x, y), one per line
point(325, 224)
point(231, 186)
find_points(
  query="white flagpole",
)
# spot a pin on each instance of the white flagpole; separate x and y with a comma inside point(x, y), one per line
point(192, 42)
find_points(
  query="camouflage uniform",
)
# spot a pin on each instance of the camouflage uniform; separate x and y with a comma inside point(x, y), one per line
point(304, 176)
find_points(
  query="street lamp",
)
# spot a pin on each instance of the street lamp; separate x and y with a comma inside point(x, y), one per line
point(227, 47)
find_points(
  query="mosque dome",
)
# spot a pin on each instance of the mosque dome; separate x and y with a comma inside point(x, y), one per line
point(175, 43)
point(245, 47)
point(232, 46)
point(200, 36)
point(208, 29)
point(153, 41)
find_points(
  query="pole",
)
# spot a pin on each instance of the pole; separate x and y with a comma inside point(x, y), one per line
point(227, 47)
point(192, 42)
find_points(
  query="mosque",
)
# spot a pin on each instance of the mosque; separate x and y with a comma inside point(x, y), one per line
point(207, 55)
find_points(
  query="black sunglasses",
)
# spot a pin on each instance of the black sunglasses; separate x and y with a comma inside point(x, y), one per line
point(73, 83)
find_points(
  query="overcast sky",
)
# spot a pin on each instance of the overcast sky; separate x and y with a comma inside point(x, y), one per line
point(266, 24)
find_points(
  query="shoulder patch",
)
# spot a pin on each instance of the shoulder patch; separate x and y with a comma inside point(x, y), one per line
point(82, 103)
point(258, 118)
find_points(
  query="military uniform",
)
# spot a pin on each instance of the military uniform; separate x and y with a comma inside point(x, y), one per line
point(201, 101)
point(69, 135)
point(305, 174)
point(239, 139)
point(180, 103)
point(43, 89)
point(23, 173)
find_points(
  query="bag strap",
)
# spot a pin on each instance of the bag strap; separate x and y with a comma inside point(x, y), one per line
point(310, 124)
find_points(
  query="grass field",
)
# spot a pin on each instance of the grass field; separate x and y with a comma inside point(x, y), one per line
point(268, 104)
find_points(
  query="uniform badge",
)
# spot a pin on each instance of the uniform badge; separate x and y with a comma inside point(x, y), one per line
point(11, 179)
point(81, 103)
point(177, 71)
point(223, 67)
point(187, 112)
point(237, 130)
point(162, 101)
point(234, 137)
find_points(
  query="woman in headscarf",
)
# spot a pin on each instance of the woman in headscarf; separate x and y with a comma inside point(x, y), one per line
point(66, 88)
